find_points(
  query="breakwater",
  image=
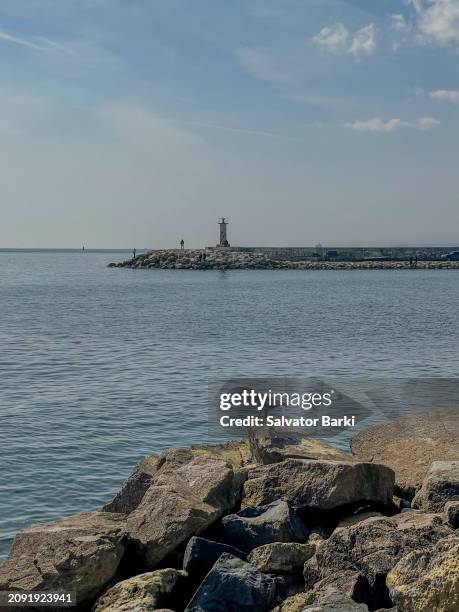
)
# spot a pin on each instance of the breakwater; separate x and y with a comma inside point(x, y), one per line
point(234, 259)
point(322, 253)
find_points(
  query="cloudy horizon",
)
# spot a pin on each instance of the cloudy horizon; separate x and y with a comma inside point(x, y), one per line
point(137, 124)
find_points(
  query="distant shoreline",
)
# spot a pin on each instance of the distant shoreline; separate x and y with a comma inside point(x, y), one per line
point(56, 250)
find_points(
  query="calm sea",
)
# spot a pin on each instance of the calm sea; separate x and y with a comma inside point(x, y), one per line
point(100, 367)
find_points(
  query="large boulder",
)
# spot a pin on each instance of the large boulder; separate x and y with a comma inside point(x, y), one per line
point(253, 527)
point(409, 445)
point(274, 445)
point(440, 485)
point(80, 553)
point(281, 557)
point(319, 485)
point(143, 593)
point(348, 582)
point(427, 580)
point(294, 603)
point(233, 585)
point(373, 547)
point(134, 488)
point(451, 514)
point(201, 554)
point(336, 602)
point(181, 502)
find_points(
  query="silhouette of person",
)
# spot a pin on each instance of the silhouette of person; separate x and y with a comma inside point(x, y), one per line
point(134, 251)
point(182, 244)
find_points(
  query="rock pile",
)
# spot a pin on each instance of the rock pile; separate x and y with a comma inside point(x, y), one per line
point(278, 523)
point(221, 259)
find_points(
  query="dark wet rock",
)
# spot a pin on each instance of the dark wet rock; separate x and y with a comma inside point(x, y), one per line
point(201, 555)
point(409, 445)
point(281, 557)
point(253, 527)
point(427, 580)
point(143, 593)
point(400, 504)
point(319, 485)
point(233, 585)
point(451, 514)
point(80, 553)
point(183, 500)
point(274, 445)
point(373, 547)
point(287, 585)
point(440, 485)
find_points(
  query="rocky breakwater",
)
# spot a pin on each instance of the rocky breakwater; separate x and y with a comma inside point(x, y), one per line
point(277, 523)
point(221, 259)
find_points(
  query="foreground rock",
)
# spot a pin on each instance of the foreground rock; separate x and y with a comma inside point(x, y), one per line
point(138, 483)
point(131, 493)
point(348, 582)
point(272, 446)
point(80, 553)
point(336, 602)
point(234, 586)
point(253, 527)
point(181, 501)
point(281, 557)
point(427, 580)
point(143, 593)
point(295, 603)
point(440, 485)
point(200, 555)
point(409, 445)
point(319, 485)
point(451, 513)
point(372, 548)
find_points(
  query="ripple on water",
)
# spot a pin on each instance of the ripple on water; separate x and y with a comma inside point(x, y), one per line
point(101, 367)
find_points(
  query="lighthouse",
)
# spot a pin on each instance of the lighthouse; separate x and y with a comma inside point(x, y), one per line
point(223, 239)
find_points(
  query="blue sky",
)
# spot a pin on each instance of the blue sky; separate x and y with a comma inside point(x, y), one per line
point(139, 122)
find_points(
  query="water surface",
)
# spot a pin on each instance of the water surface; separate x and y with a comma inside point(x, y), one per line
point(100, 367)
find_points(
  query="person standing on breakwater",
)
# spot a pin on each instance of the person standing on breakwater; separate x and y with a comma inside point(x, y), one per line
point(134, 252)
point(182, 244)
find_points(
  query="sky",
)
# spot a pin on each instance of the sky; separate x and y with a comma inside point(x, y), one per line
point(136, 123)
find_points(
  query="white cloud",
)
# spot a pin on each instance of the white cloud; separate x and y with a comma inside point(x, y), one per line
point(399, 22)
point(377, 125)
point(334, 39)
point(426, 123)
point(392, 125)
point(449, 95)
point(338, 40)
point(364, 41)
point(437, 21)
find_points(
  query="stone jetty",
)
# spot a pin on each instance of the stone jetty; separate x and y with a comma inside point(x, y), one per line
point(274, 523)
point(222, 259)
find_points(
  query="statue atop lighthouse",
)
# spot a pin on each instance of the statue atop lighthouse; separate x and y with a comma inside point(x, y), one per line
point(223, 239)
